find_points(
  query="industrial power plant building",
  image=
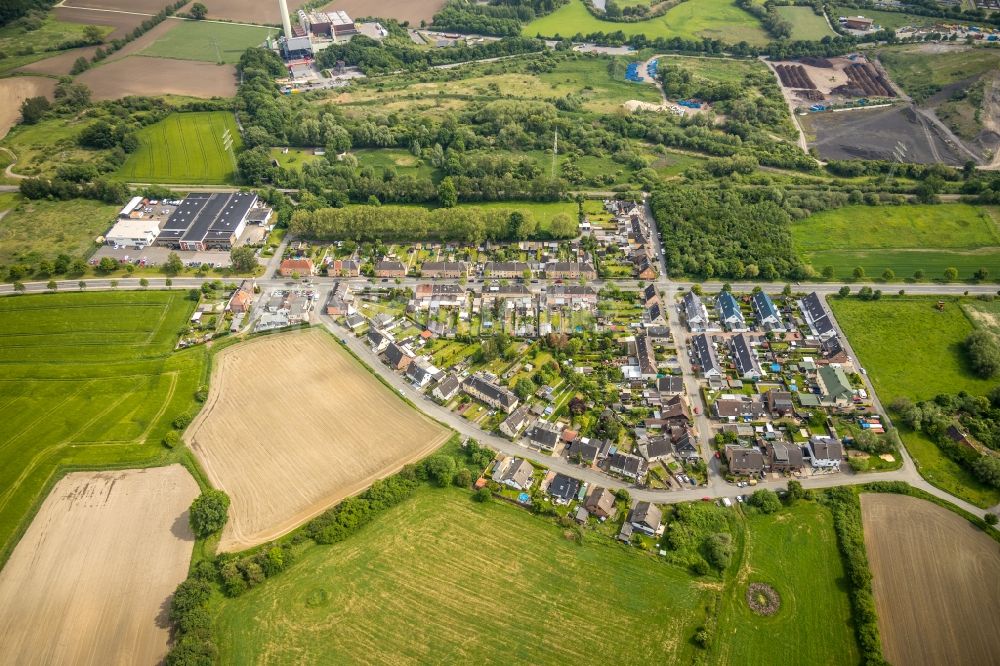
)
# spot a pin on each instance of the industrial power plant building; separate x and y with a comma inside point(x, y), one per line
point(207, 221)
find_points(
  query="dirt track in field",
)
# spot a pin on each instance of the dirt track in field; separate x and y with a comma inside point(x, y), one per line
point(15, 90)
point(293, 425)
point(936, 580)
point(90, 582)
point(140, 75)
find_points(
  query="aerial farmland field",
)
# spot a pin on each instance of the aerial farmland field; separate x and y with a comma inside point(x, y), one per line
point(90, 580)
point(294, 424)
point(210, 42)
point(185, 148)
point(806, 24)
point(442, 579)
point(87, 381)
point(928, 238)
point(940, 603)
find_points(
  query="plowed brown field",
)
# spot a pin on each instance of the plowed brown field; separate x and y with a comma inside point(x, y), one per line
point(936, 581)
point(90, 581)
point(139, 75)
point(294, 424)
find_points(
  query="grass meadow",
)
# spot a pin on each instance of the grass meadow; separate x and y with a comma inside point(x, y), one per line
point(21, 47)
point(906, 239)
point(888, 20)
point(88, 381)
point(32, 230)
point(694, 19)
point(920, 73)
point(442, 579)
point(795, 552)
point(184, 148)
point(807, 25)
point(910, 349)
point(209, 42)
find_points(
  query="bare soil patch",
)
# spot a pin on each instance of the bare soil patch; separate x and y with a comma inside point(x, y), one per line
point(251, 11)
point(90, 582)
point(293, 425)
point(137, 6)
point(14, 90)
point(936, 580)
point(123, 23)
point(59, 65)
point(403, 10)
point(139, 75)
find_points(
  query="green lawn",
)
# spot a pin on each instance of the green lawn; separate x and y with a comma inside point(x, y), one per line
point(294, 158)
point(904, 238)
point(44, 147)
point(211, 42)
point(807, 25)
point(403, 161)
point(694, 19)
point(185, 148)
point(889, 20)
point(441, 579)
point(89, 381)
point(910, 349)
point(33, 230)
point(20, 47)
point(794, 551)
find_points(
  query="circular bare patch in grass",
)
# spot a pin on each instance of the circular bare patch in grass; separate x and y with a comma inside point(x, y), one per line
point(318, 597)
point(763, 599)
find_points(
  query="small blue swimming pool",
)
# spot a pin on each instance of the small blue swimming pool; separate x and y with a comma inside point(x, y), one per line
point(523, 498)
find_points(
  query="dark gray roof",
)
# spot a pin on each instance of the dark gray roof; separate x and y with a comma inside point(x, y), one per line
point(441, 266)
point(544, 434)
point(729, 308)
point(564, 487)
point(743, 459)
point(204, 216)
point(704, 353)
point(764, 307)
point(658, 447)
point(648, 514)
point(497, 393)
point(744, 356)
point(448, 385)
point(816, 314)
point(670, 384)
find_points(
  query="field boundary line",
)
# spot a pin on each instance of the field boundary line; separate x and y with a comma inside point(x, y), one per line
point(163, 407)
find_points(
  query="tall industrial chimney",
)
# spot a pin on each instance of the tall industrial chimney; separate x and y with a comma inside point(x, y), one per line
point(286, 22)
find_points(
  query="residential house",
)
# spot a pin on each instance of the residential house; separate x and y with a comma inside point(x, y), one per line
point(646, 357)
point(355, 320)
point(653, 316)
point(290, 267)
point(747, 365)
point(675, 411)
point(646, 517)
point(242, 298)
point(816, 316)
point(513, 424)
point(397, 358)
point(703, 355)
point(650, 295)
point(570, 270)
point(825, 452)
point(729, 312)
point(744, 461)
point(833, 350)
point(784, 456)
point(421, 374)
point(645, 267)
point(656, 448)
point(572, 295)
point(670, 385)
point(600, 502)
point(509, 270)
point(344, 268)
point(684, 443)
point(695, 312)
point(340, 303)
point(768, 317)
point(589, 451)
point(627, 465)
point(544, 435)
point(489, 392)
point(446, 388)
point(563, 488)
point(390, 268)
point(835, 387)
point(779, 403)
point(444, 269)
point(433, 296)
point(378, 340)
point(516, 473)
point(739, 408)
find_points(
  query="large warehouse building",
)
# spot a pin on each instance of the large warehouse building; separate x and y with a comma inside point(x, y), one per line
point(207, 221)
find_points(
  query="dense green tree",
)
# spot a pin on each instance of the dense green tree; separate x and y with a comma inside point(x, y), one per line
point(209, 512)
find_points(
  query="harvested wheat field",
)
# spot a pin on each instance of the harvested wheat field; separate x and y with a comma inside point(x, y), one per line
point(294, 424)
point(90, 581)
point(936, 581)
point(139, 75)
point(15, 90)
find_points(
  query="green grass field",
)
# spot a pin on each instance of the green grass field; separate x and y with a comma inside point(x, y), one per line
point(694, 19)
point(921, 73)
point(889, 20)
point(33, 230)
point(210, 42)
point(184, 148)
point(912, 350)
point(20, 47)
point(441, 579)
point(794, 551)
point(806, 24)
point(930, 238)
point(88, 381)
